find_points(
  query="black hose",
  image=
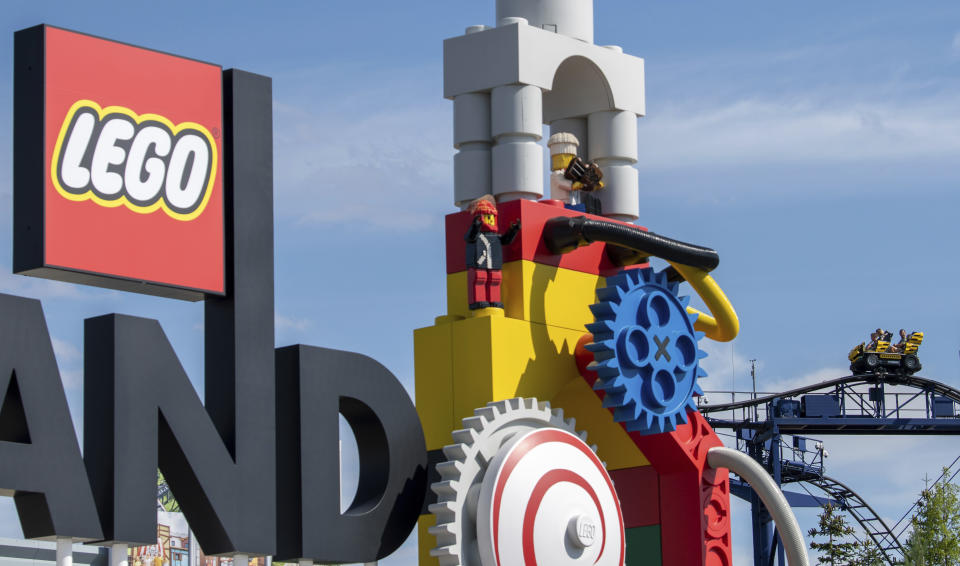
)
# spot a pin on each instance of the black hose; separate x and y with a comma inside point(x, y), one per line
point(564, 234)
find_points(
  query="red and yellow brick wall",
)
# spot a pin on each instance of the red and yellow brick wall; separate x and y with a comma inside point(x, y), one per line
point(469, 358)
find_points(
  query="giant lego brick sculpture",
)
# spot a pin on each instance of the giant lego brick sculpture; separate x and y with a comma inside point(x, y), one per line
point(585, 325)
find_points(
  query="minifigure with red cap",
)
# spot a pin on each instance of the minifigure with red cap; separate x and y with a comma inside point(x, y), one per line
point(485, 254)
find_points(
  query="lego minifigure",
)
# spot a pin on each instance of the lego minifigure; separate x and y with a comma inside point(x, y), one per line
point(900, 346)
point(485, 254)
point(572, 180)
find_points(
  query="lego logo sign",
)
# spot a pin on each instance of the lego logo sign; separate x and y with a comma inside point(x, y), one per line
point(160, 165)
point(118, 179)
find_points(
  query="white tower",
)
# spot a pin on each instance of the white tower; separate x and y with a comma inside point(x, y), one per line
point(540, 66)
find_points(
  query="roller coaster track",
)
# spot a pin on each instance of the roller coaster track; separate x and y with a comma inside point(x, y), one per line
point(859, 413)
point(914, 381)
point(871, 523)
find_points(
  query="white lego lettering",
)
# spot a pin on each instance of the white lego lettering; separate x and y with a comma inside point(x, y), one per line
point(146, 190)
point(183, 193)
point(115, 157)
point(107, 153)
point(73, 174)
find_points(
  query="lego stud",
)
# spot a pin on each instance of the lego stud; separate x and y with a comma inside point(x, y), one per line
point(582, 531)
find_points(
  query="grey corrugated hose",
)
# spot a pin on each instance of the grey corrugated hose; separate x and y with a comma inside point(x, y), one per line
point(751, 472)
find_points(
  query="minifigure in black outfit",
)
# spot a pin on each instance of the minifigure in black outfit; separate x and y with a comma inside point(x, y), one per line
point(485, 254)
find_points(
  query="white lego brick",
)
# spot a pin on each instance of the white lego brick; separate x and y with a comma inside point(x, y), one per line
point(527, 55)
point(517, 110)
point(620, 197)
point(573, 18)
point(517, 168)
point(471, 118)
point(471, 173)
point(613, 135)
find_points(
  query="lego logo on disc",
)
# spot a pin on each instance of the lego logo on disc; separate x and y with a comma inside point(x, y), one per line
point(547, 499)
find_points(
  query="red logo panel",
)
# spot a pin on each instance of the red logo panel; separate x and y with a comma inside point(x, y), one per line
point(134, 164)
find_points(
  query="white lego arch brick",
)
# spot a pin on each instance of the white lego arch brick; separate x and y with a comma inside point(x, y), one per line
point(579, 88)
point(523, 54)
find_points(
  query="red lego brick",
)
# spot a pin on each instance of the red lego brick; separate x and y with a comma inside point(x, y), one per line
point(639, 492)
point(529, 243)
point(694, 499)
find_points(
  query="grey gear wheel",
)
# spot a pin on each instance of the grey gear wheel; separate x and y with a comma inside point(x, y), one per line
point(462, 473)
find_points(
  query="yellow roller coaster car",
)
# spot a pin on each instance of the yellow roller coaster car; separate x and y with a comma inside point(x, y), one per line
point(880, 356)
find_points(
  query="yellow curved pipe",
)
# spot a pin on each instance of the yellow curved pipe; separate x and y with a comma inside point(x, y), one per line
point(724, 325)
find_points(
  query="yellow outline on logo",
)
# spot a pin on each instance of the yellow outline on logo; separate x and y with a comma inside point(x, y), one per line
point(137, 118)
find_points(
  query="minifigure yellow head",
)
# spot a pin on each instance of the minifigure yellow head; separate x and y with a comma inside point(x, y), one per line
point(485, 209)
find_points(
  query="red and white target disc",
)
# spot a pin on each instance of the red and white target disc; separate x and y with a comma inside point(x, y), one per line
point(546, 499)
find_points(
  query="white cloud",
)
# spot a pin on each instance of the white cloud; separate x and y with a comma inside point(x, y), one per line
point(810, 378)
point(389, 168)
point(765, 131)
point(724, 365)
point(41, 288)
point(69, 358)
point(72, 379)
point(66, 352)
point(291, 323)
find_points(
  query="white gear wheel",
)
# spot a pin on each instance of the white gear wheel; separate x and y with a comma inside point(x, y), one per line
point(462, 473)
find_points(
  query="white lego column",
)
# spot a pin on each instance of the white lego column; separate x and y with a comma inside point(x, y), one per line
point(118, 554)
point(613, 145)
point(64, 551)
point(471, 135)
point(517, 126)
point(540, 65)
point(573, 18)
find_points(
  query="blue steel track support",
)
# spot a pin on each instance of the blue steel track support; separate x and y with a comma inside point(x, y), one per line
point(875, 412)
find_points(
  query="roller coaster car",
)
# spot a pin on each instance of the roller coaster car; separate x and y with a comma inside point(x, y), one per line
point(879, 356)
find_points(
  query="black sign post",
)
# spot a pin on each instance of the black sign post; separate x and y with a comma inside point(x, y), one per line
point(266, 412)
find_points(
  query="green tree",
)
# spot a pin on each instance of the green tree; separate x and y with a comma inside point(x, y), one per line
point(867, 554)
point(837, 549)
point(935, 540)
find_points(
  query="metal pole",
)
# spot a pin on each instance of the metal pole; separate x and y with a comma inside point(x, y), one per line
point(64, 551)
point(733, 377)
point(778, 478)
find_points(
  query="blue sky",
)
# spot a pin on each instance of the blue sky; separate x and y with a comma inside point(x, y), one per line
point(815, 145)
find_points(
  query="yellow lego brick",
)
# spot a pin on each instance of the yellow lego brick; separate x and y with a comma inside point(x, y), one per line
point(433, 367)
point(537, 293)
point(457, 294)
point(426, 541)
point(498, 358)
point(614, 446)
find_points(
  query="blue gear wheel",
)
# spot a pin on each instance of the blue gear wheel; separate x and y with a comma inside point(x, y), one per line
point(645, 351)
